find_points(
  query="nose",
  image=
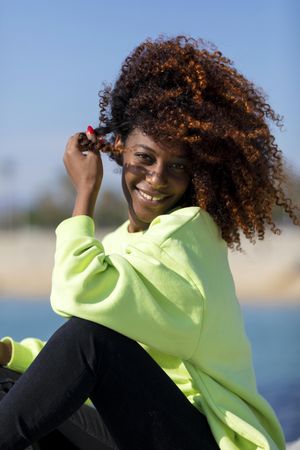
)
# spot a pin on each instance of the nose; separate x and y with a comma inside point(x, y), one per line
point(157, 178)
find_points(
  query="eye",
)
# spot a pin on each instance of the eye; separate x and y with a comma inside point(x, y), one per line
point(178, 166)
point(144, 157)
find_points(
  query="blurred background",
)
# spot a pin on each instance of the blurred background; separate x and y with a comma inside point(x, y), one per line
point(54, 58)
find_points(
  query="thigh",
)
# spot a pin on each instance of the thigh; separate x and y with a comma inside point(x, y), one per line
point(141, 406)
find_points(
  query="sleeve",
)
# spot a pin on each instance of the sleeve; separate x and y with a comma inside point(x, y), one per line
point(23, 352)
point(141, 293)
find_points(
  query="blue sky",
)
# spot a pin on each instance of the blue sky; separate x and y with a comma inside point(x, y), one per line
point(56, 54)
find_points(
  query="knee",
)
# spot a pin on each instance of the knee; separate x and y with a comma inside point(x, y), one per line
point(83, 329)
point(90, 337)
point(94, 343)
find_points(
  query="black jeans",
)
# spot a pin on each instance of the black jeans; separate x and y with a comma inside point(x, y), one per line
point(138, 407)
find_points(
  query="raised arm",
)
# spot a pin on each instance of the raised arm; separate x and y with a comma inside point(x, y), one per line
point(86, 173)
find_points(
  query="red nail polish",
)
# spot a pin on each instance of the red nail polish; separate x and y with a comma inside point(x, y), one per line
point(90, 134)
point(90, 130)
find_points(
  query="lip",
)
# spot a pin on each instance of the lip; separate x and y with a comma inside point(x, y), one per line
point(151, 194)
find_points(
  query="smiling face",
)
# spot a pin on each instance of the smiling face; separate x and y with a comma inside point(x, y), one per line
point(154, 178)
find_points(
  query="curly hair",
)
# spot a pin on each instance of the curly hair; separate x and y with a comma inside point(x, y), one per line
point(184, 90)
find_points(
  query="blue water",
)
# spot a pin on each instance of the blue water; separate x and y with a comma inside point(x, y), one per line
point(274, 334)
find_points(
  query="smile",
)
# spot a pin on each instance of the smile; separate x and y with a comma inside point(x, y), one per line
point(154, 200)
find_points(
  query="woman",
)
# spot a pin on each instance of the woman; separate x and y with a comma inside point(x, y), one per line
point(155, 336)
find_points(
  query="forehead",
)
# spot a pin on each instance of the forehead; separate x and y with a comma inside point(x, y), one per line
point(138, 138)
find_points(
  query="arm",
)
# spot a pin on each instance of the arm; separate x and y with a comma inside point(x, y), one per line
point(19, 355)
point(142, 293)
point(85, 172)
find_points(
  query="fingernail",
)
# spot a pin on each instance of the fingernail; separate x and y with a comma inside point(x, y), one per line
point(90, 130)
point(90, 133)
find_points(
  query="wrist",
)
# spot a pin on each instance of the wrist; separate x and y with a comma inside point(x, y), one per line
point(85, 203)
point(88, 188)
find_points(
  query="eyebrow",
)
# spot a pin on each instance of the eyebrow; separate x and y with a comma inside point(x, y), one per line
point(146, 147)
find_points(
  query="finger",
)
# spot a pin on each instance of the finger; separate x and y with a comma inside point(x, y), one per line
point(73, 149)
point(91, 135)
point(82, 138)
point(93, 152)
point(77, 141)
point(84, 143)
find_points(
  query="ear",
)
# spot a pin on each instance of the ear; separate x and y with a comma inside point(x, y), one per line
point(118, 157)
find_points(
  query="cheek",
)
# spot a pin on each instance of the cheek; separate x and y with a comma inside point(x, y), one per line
point(129, 180)
point(125, 186)
point(133, 173)
point(181, 184)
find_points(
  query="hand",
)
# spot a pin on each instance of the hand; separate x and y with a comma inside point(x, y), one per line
point(85, 170)
point(5, 353)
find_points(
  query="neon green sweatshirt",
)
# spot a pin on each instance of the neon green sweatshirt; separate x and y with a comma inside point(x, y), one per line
point(169, 288)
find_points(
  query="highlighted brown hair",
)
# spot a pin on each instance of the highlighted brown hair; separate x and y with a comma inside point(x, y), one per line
point(184, 90)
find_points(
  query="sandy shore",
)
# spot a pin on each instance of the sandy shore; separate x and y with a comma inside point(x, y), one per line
point(268, 272)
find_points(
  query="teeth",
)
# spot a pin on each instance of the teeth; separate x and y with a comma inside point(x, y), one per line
point(148, 197)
